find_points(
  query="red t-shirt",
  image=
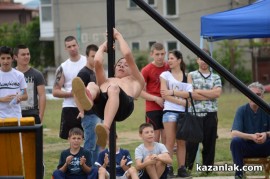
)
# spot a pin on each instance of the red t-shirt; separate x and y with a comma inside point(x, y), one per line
point(151, 75)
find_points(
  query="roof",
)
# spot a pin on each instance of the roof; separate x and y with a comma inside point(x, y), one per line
point(15, 6)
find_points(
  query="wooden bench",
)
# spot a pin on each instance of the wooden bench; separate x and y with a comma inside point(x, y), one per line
point(265, 162)
point(21, 149)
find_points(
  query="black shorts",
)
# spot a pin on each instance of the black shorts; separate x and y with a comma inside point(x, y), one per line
point(36, 116)
point(155, 118)
point(126, 106)
point(142, 174)
point(68, 121)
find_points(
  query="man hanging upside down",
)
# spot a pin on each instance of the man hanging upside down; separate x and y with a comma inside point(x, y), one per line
point(111, 98)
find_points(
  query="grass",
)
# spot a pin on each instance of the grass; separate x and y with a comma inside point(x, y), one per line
point(128, 135)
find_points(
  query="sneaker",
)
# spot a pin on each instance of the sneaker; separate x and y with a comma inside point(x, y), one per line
point(182, 173)
point(102, 135)
point(82, 94)
point(170, 172)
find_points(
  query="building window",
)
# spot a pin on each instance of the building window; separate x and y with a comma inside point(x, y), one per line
point(171, 8)
point(135, 46)
point(46, 10)
point(150, 43)
point(171, 45)
point(151, 2)
point(132, 4)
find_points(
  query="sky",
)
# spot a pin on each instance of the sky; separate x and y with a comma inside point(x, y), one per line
point(22, 1)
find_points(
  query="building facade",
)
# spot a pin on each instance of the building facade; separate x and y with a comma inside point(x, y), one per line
point(87, 21)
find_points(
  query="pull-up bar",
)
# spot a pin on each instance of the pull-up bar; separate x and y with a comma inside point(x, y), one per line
point(111, 61)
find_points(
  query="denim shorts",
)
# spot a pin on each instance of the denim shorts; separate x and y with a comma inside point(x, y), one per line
point(170, 116)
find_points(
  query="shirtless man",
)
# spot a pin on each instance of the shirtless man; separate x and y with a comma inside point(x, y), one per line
point(111, 98)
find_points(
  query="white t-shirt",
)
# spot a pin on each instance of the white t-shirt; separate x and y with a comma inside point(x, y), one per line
point(173, 84)
point(70, 71)
point(11, 83)
point(141, 151)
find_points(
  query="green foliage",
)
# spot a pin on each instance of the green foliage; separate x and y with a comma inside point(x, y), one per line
point(42, 52)
point(191, 65)
point(141, 59)
point(229, 55)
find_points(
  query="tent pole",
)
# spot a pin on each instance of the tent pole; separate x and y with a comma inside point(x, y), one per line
point(201, 42)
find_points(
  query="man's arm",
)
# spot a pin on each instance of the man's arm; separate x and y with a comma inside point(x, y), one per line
point(41, 101)
point(236, 133)
point(150, 97)
point(210, 94)
point(202, 95)
point(58, 83)
point(195, 96)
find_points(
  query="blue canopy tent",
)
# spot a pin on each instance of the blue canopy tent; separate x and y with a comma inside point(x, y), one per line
point(252, 21)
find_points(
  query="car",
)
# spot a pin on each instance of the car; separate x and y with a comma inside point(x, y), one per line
point(49, 95)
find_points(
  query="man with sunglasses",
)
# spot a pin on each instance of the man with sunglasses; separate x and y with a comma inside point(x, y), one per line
point(250, 131)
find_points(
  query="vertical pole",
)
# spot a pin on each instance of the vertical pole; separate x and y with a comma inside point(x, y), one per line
point(111, 61)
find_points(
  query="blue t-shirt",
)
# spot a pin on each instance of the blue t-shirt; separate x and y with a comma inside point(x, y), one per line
point(118, 157)
point(74, 168)
point(248, 121)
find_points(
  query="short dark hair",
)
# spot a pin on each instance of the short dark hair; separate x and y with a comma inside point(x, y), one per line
point(206, 51)
point(91, 47)
point(75, 131)
point(145, 125)
point(6, 50)
point(70, 38)
point(18, 47)
point(156, 46)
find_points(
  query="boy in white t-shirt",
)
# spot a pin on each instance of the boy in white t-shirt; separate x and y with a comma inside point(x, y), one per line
point(151, 157)
point(12, 86)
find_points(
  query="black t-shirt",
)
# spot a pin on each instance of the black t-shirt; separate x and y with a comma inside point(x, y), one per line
point(87, 75)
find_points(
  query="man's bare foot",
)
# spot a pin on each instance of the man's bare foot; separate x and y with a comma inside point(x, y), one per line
point(82, 94)
point(102, 135)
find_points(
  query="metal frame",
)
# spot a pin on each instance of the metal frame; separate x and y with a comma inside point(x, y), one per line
point(38, 129)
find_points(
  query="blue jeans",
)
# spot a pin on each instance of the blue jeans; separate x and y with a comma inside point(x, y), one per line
point(89, 123)
point(241, 148)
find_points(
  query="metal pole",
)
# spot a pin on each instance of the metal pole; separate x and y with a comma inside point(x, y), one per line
point(200, 53)
point(111, 61)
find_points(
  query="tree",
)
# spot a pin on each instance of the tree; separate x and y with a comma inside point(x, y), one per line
point(141, 58)
point(229, 55)
point(42, 53)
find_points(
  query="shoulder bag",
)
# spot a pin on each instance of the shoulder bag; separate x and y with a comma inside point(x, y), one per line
point(189, 125)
